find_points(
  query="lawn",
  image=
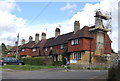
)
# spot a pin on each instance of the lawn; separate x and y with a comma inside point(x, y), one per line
point(28, 67)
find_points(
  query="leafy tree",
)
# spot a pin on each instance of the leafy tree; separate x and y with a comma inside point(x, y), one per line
point(4, 50)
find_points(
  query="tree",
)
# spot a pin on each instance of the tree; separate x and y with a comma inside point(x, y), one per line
point(65, 56)
point(4, 50)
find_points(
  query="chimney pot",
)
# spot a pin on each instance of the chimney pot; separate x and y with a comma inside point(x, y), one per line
point(57, 32)
point(30, 38)
point(36, 38)
point(43, 36)
point(76, 26)
point(23, 41)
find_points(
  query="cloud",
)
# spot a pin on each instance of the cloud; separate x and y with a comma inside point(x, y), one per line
point(68, 6)
point(9, 24)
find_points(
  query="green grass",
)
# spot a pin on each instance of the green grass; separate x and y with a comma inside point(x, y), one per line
point(27, 67)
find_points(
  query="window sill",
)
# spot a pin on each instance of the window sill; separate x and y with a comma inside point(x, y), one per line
point(77, 59)
point(74, 44)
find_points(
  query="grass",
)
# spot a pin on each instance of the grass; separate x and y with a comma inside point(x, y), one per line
point(27, 67)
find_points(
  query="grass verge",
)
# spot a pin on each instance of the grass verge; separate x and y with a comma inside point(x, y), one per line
point(27, 67)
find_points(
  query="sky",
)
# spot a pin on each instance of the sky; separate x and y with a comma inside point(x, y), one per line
point(29, 18)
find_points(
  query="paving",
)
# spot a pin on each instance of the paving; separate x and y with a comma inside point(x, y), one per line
point(56, 73)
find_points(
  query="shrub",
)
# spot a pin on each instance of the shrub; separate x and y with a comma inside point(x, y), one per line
point(37, 61)
point(114, 74)
point(57, 63)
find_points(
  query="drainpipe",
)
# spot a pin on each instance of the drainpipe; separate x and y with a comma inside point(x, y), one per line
point(90, 58)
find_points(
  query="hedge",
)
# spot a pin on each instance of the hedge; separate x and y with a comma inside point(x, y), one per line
point(57, 63)
point(37, 61)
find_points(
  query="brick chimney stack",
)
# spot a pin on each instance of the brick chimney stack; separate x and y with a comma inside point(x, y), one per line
point(76, 26)
point(23, 41)
point(43, 36)
point(57, 32)
point(36, 38)
point(30, 38)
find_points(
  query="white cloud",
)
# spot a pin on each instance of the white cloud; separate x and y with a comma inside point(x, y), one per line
point(9, 23)
point(68, 6)
point(7, 5)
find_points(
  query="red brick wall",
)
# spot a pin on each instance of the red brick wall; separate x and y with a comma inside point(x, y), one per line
point(72, 48)
point(26, 52)
point(35, 53)
point(60, 51)
point(9, 55)
point(47, 52)
point(84, 44)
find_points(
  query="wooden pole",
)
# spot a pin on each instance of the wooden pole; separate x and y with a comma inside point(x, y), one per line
point(17, 46)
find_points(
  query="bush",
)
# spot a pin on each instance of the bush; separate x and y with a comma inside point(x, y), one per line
point(57, 63)
point(114, 74)
point(37, 61)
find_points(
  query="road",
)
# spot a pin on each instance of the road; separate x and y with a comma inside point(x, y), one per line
point(55, 74)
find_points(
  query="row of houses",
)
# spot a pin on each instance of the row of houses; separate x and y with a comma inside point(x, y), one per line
point(82, 45)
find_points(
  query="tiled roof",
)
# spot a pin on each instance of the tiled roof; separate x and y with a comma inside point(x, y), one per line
point(40, 45)
point(13, 49)
point(62, 39)
point(84, 32)
point(58, 40)
point(30, 44)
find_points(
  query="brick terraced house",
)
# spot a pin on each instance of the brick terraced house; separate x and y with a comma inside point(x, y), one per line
point(80, 46)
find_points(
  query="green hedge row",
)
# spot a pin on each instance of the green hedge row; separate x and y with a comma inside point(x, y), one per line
point(57, 63)
point(38, 61)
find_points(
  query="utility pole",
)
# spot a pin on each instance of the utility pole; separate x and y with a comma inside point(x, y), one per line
point(17, 46)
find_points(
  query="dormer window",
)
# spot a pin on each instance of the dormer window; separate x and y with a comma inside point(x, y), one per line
point(8, 53)
point(75, 42)
point(23, 49)
point(51, 48)
point(46, 49)
point(34, 49)
point(61, 46)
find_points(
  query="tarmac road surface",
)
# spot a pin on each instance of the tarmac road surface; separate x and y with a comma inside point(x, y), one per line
point(54, 74)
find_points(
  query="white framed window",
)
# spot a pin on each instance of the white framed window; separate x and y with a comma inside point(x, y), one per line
point(23, 49)
point(61, 46)
point(72, 42)
point(75, 42)
point(46, 49)
point(8, 53)
point(58, 58)
point(34, 49)
point(51, 48)
point(77, 55)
